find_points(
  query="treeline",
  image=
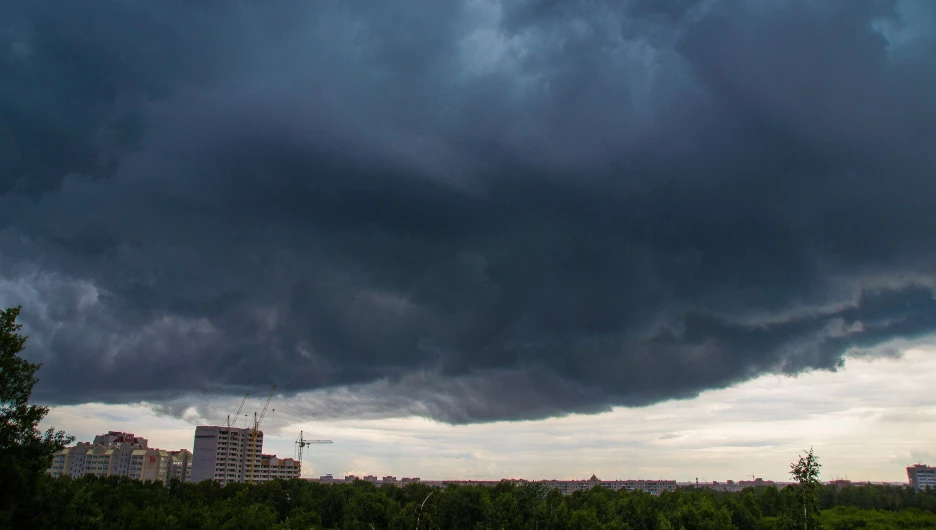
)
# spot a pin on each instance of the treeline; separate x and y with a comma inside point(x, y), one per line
point(114, 502)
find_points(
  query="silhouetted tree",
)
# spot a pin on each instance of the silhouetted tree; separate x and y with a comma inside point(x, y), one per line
point(806, 472)
point(25, 452)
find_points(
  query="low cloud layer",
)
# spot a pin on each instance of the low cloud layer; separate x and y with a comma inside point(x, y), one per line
point(866, 422)
point(474, 210)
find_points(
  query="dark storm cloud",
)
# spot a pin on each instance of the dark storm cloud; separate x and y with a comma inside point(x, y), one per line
point(458, 209)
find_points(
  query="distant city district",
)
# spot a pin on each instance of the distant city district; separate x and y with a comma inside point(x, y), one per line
point(228, 454)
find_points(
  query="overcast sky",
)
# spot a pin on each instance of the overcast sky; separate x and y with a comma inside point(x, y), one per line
point(470, 212)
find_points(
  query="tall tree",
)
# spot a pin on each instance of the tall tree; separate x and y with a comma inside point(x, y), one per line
point(806, 472)
point(25, 452)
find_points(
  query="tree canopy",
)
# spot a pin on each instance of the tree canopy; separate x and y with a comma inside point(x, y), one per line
point(25, 451)
point(119, 502)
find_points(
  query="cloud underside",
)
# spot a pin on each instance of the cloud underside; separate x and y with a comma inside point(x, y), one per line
point(469, 211)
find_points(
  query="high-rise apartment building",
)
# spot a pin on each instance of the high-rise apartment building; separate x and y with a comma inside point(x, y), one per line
point(70, 461)
point(922, 477)
point(224, 454)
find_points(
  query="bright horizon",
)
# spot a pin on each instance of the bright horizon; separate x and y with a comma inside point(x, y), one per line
point(866, 422)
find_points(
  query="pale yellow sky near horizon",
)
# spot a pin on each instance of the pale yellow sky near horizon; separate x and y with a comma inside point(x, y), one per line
point(867, 422)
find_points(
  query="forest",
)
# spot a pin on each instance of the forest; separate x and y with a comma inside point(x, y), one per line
point(116, 502)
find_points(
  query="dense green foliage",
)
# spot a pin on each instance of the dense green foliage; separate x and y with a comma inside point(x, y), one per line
point(805, 472)
point(114, 502)
point(25, 452)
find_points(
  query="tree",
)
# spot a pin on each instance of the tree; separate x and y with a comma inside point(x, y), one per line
point(806, 472)
point(25, 452)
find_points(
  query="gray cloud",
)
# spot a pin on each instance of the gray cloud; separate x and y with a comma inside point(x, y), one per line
point(463, 210)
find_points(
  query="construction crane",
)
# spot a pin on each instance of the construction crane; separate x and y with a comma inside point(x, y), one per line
point(302, 442)
point(239, 409)
point(252, 451)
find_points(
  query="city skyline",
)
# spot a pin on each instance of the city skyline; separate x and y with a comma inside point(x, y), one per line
point(717, 437)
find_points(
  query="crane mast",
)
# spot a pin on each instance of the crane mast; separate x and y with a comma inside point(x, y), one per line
point(303, 442)
point(252, 453)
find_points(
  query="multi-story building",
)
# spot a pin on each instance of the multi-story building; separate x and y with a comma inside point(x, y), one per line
point(272, 468)
point(922, 477)
point(121, 457)
point(224, 454)
point(181, 465)
point(113, 454)
point(150, 464)
point(98, 461)
point(70, 461)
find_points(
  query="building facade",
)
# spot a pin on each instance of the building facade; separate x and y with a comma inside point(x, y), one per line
point(181, 465)
point(113, 454)
point(70, 461)
point(272, 468)
point(922, 477)
point(150, 464)
point(226, 454)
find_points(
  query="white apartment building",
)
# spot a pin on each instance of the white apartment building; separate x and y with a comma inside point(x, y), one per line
point(150, 464)
point(224, 454)
point(113, 454)
point(98, 461)
point(70, 461)
point(121, 457)
point(922, 477)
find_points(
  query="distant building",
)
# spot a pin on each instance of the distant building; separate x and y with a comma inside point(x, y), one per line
point(98, 461)
point(116, 437)
point(568, 487)
point(272, 468)
point(231, 454)
point(113, 454)
point(727, 486)
point(181, 465)
point(921, 477)
point(756, 483)
point(70, 461)
point(224, 454)
point(150, 464)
